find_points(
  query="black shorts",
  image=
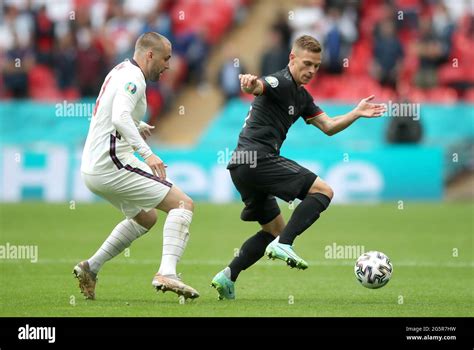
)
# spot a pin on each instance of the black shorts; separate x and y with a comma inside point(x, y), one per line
point(272, 177)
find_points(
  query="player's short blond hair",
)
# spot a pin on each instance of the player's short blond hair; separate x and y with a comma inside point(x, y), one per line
point(307, 42)
point(150, 40)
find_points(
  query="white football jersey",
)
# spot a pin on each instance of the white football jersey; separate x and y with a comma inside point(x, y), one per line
point(113, 134)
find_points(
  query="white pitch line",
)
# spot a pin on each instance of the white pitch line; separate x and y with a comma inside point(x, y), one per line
point(329, 262)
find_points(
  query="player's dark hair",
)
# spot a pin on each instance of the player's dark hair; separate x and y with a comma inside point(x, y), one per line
point(307, 42)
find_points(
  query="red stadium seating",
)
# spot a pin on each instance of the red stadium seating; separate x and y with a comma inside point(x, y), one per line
point(193, 15)
point(448, 74)
point(71, 94)
point(442, 95)
point(42, 84)
point(361, 58)
point(469, 95)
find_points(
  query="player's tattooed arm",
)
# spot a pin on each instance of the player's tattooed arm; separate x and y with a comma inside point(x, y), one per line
point(250, 84)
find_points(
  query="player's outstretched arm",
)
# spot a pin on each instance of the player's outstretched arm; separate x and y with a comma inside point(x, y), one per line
point(250, 84)
point(366, 109)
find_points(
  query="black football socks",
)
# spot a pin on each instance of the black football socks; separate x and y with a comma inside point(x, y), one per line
point(252, 250)
point(305, 214)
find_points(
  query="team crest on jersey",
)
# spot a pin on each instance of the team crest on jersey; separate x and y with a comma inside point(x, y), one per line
point(131, 87)
point(272, 81)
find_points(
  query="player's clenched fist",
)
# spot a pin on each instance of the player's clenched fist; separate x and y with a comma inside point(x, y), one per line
point(248, 82)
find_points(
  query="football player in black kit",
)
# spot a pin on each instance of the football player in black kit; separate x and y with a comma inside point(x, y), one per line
point(280, 100)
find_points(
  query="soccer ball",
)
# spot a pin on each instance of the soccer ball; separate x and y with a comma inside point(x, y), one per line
point(373, 269)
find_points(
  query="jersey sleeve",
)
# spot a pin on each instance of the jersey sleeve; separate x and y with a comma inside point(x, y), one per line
point(128, 94)
point(275, 87)
point(311, 110)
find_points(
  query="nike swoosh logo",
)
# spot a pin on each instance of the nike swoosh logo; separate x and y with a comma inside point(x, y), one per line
point(289, 253)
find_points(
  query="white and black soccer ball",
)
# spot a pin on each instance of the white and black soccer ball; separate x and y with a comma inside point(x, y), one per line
point(373, 269)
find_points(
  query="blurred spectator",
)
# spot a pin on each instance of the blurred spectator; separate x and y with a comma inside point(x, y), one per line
point(140, 8)
point(281, 25)
point(308, 18)
point(388, 13)
point(19, 60)
point(194, 48)
point(432, 51)
point(443, 27)
point(90, 63)
point(458, 9)
point(122, 31)
point(83, 39)
point(44, 37)
point(65, 62)
point(338, 40)
point(228, 76)
point(15, 23)
point(388, 53)
point(409, 9)
point(160, 23)
point(276, 56)
point(101, 33)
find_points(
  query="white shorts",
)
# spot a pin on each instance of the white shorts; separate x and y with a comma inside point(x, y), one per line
point(131, 189)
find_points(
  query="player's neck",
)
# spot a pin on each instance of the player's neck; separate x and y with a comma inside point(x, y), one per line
point(293, 76)
point(137, 62)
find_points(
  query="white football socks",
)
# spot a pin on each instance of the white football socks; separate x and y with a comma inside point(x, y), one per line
point(175, 238)
point(121, 237)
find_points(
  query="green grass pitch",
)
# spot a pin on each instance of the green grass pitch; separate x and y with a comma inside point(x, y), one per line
point(430, 245)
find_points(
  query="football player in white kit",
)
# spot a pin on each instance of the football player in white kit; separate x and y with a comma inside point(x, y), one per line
point(111, 170)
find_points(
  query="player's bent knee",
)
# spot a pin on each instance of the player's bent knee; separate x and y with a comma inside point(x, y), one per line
point(186, 203)
point(320, 186)
point(176, 199)
point(328, 192)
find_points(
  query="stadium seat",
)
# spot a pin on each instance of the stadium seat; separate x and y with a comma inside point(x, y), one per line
point(41, 76)
point(442, 95)
point(409, 67)
point(361, 58)
point(385, 94)
point(71, 94)
point(371, 15)
point(416, 95)
point(42, 84)
point(448, 74)
point(469, 95)
point(189, 16)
